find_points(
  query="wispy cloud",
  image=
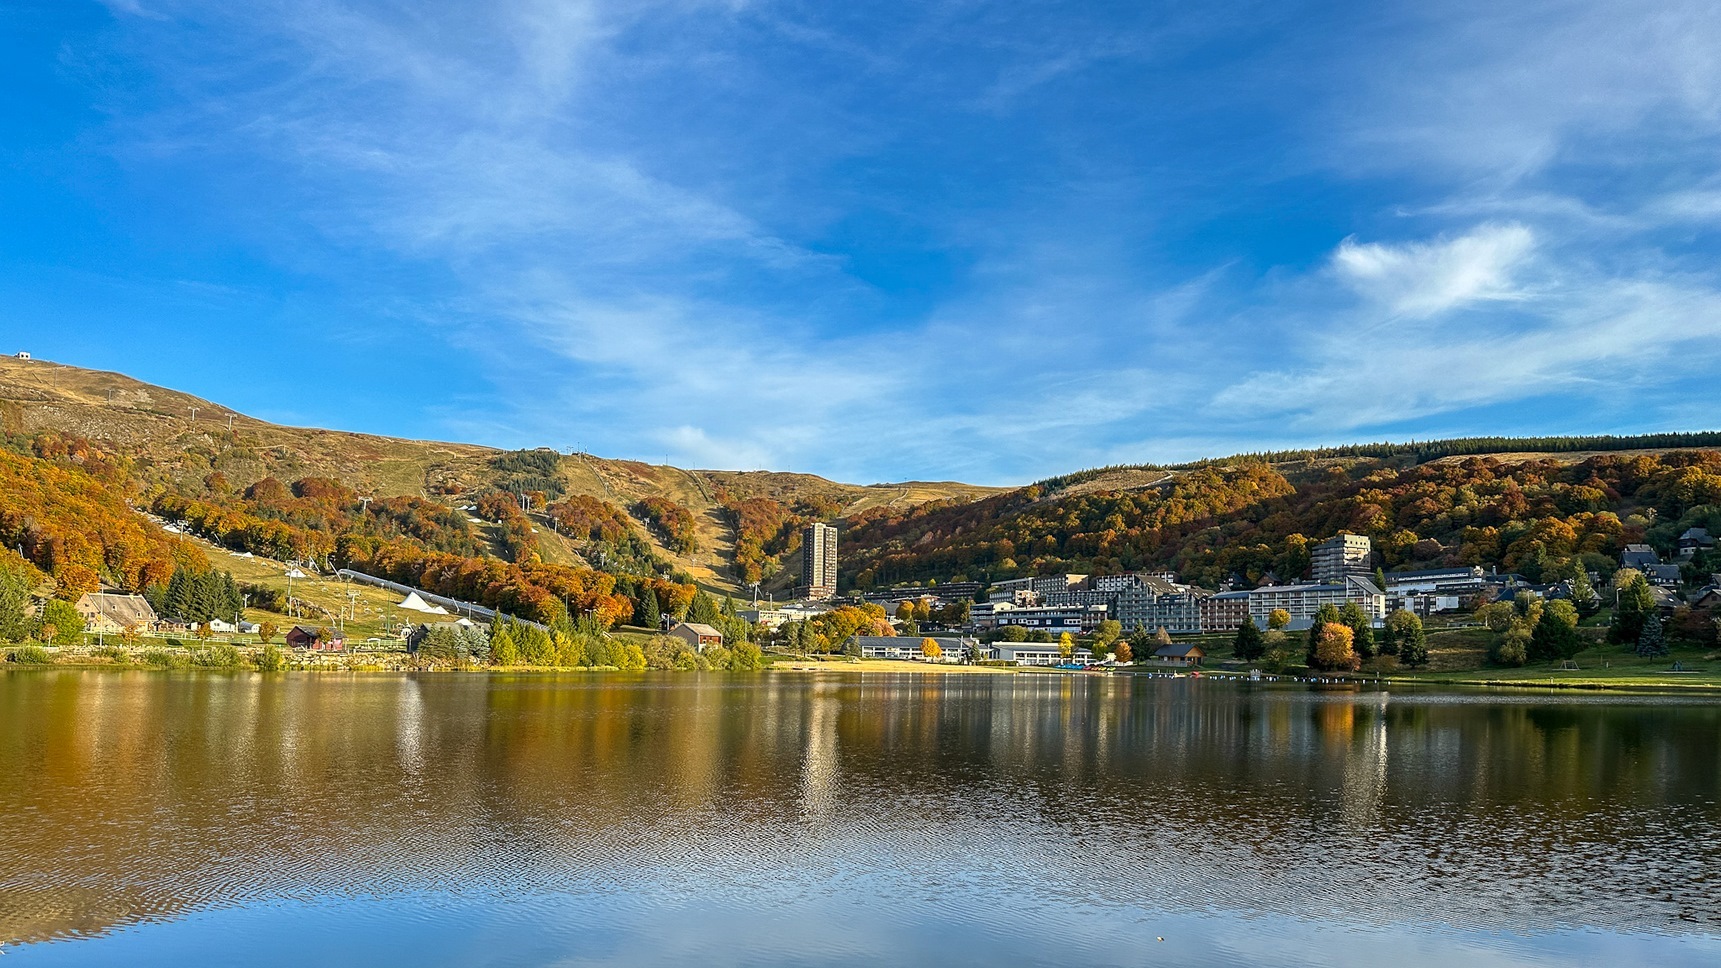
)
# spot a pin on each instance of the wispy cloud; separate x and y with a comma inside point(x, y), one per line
point(1421, 279)
point(966, 240)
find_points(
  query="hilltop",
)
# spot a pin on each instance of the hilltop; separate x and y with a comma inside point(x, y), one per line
point(176, 442)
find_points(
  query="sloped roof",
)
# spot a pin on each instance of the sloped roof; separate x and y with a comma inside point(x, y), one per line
point(118, 609)
point(1178, 651)
point(699, 628)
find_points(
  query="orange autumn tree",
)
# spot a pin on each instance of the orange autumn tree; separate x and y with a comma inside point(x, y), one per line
point(1333, 649)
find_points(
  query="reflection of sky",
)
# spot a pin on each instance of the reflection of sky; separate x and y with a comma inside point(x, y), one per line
point(540, 819)
point(918, 926)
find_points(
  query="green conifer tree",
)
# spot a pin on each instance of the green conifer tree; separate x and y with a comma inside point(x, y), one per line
point(1362, 629)
point(1651, 642)
point(1250, 644)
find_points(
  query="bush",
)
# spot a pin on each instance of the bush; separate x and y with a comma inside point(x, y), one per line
point(220, 656)
point(271, 659)
point(117, 653)
point(746, 656)
point(30, 655)
point(1510, 650)
point(163, 659)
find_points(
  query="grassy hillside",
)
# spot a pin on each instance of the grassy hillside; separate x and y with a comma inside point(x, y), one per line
point(180, 443)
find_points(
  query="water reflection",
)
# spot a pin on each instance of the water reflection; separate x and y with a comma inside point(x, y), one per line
point(924, 814)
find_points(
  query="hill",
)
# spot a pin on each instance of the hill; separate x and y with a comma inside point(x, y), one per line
point(177, 443)
point(1545, 515)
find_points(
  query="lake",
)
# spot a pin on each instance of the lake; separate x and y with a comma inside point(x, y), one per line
point(783, 819)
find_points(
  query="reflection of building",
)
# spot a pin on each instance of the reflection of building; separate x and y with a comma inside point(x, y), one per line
point(1302, 601)
point(1342, 556)
point(819, 561)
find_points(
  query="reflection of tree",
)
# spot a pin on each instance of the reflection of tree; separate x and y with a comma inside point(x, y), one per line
point(329, 785)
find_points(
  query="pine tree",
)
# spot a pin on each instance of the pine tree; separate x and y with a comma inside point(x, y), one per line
point(14, 597)
point(1651, 642)
point(703, 610)
point(176, 600)
point(1556, 633)
point(504, 651)
point(1635, 605)
point(1411, 641)
point(1362, 629)
point(650, 615)
point(1250, 645)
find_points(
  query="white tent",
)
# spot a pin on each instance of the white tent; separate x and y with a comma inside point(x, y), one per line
point(413, 602)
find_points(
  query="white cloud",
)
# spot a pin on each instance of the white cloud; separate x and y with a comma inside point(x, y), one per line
point(132, 8)
point(1422, 279)
point(1617, 339)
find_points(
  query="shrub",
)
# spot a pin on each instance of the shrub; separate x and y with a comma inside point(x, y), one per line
point(220, 656)
point(117, 653)
point(163, 659)
point(746, 656)
point(1510, 650)
point(271, 659)
point(31, 655)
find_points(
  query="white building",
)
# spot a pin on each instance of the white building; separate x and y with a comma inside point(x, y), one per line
point(909, 647)
point(1343, 556)
point(1303, 601)
point(1038, 653)
point(1433, 590)
point(1075, 619)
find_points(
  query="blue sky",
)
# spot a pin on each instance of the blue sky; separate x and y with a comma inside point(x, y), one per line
point(879, 241)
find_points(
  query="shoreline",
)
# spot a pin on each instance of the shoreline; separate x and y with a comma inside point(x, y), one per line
point(397, 663)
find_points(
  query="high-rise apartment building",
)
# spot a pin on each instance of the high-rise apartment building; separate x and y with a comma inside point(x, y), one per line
point(819, 561)
point(1343, 556)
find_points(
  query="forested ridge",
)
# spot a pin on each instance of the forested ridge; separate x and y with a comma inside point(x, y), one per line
point(71, 511)
point(1246, 518)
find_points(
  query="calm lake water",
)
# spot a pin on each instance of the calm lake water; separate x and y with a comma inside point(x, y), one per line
point(166, 819)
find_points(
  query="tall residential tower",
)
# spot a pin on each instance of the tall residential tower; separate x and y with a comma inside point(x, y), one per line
point(1343, 556)
point(819, 561)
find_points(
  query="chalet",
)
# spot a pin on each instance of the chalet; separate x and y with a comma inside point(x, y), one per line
point(1695, 540)
point(112, 612)
point(1186, 655)
point(1638, 556)
point(1666, 600)
point(697, 634)
point(1667, 576)
point(316, 640)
